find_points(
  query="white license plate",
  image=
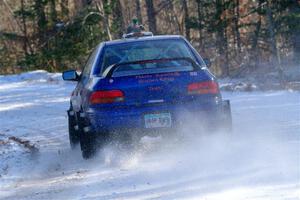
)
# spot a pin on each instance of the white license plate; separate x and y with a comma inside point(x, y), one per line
point(158, 120)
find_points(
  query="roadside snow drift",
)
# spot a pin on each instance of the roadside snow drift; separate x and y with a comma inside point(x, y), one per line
point(259, 160)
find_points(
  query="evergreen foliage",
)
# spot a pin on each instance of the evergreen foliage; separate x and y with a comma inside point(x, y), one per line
point(59, 34)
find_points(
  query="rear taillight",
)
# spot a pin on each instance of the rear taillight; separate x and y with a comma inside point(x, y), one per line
point(110, 96)
point(207, 87)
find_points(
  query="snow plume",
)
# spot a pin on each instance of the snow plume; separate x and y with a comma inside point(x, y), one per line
point(247, 163)
point(259, 159)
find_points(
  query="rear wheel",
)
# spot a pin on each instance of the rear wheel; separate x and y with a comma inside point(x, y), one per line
point(90, 140)
point(87, 137)
point(73, 129)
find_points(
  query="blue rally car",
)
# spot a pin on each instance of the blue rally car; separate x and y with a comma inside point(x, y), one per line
point(145, 83)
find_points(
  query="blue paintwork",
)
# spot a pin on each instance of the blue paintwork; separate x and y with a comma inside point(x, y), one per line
point(143, 94)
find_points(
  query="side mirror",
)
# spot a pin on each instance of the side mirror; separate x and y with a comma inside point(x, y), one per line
point(207, 62)
point(70, 75)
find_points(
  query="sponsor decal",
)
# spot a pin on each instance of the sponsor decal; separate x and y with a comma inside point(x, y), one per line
point(193, 73)
point(150, 78)
point(157, 88)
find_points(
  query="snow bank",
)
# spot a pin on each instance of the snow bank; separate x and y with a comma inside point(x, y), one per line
point(248, 84)
point(33, 76)
point(237, 85)
point(263, 79)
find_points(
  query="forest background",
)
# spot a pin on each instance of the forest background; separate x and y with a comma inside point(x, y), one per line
point(238, 36)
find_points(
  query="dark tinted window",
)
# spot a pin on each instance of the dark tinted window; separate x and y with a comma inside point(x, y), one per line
point(89, 64)
point(145, 50)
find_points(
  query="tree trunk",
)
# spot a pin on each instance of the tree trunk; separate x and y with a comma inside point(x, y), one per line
point(117, 19)
point(236, 25)
point(151, 16)
point(53, 13)
point(186, 20)
point(79, 4)
point(179, 24)
point(106, 22)
point(64, 6)
point(255, 50)
point(138, 11)
point(122, 8)
point(25, 40)
point(41, 19)
point(274, 49)
point(84, 3)
point(221, 41)
point(200, 14)
point(295, 9)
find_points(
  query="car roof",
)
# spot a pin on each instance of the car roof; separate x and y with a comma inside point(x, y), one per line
point(146, 38)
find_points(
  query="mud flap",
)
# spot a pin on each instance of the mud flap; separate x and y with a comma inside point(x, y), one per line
point(73, 129)
point(87, 137)
point(91, 138)
point(226, 117)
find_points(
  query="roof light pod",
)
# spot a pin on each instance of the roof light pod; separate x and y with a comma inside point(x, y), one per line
point(137, 34)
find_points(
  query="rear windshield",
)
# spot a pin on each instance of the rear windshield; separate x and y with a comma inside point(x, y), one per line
point(147, 50)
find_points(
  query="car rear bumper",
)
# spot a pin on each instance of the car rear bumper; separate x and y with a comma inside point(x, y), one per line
point(207, 114)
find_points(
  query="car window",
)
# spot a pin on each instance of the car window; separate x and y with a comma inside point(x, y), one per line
point(89, 64)
point(145, 50)
point(156, 66)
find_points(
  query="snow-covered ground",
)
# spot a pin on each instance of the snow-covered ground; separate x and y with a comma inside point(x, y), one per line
point(260, 160)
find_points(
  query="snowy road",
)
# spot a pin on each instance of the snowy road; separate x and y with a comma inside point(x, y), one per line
point(260, 160)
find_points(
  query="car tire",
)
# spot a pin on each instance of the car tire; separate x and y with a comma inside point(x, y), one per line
point(73, 131)
point(87, 137)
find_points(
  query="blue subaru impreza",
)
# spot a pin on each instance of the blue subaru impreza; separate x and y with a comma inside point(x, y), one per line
point(147, 84)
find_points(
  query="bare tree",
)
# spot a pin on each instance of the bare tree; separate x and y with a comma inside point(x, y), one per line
point(23, 20)
point(236, 25)
point(104, 15)
point(138, 11)
point(273, 44)
point(294, 8)
point(151, 16)
point(186, 19)
point(64, 6)
point(200, 20)
point(221, 40)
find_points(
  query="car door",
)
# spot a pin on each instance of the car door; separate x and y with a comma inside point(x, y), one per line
point(81, 90)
